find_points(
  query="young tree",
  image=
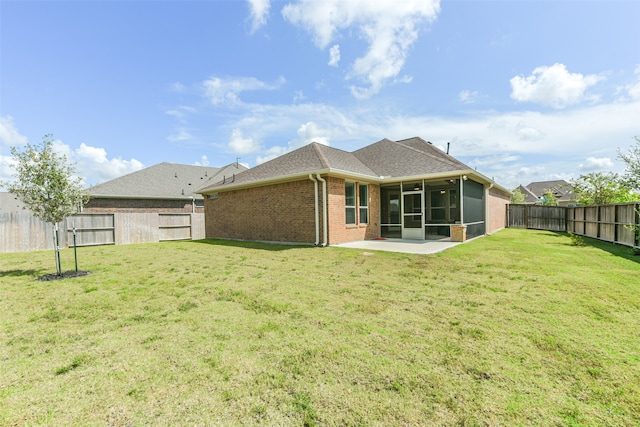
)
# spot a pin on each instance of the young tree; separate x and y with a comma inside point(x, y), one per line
point(632, 160)
point(600, 188)
point(46, 184)
point(517, 198)
point(549, 198)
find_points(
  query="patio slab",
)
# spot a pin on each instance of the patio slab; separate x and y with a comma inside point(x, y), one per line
point(400, 245)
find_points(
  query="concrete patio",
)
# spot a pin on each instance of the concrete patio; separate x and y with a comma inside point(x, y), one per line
point(400, 245)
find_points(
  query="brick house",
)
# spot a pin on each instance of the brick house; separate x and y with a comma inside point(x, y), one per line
point(165, 188)
point(320, 195)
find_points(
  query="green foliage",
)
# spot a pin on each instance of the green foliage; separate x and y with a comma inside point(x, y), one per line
point(45, 182)
point(601, 188)
point(632, 160)
point(517, 198)
point(549, 198)
point(576, 240)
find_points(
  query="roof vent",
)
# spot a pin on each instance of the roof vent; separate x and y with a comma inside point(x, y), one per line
point(175, 174)
point(183, 191)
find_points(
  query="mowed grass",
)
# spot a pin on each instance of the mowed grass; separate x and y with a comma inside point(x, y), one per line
point(517, 328)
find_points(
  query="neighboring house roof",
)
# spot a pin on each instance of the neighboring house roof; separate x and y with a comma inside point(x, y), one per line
point(529, 197)
point(382, 161)
point(535, 190)
point(10, 203)
point(163, 181)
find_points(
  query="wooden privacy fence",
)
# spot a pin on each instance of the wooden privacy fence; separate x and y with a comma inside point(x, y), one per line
point(612, 223)
point(537, 217)
point(22, 232)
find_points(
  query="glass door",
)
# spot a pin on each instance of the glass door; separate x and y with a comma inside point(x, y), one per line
point(412, 221)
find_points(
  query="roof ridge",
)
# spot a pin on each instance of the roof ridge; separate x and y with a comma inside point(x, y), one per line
point(446, 157)
point(320, 154)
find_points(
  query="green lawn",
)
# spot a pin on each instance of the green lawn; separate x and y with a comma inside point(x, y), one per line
point(517, 328)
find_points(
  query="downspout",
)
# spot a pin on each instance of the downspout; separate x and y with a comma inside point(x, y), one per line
point(324, 209)
point(315, 187)
point(486, 209)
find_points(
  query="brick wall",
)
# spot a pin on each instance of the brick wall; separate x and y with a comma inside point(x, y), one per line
point(100, 205)
point(498, 202)
point(339, 231)
point(279, 213)
point(285, 213)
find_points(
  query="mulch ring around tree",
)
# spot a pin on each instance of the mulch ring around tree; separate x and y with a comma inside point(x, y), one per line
point(65, 275)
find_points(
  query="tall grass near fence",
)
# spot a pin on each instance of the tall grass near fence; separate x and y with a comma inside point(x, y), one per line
point(517, 328)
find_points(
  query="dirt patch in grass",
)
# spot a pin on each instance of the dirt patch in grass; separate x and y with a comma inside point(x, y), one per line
point(65, 275)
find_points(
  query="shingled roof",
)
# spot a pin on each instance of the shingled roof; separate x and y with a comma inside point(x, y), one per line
point(163, 181)
point(408, 157)
point(382, 160)
point(560, 188)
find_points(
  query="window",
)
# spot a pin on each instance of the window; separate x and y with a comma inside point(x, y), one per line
point(364, 204)
point(350, 202)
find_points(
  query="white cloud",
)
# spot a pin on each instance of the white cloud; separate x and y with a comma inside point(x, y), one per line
point(177, 87)
point(634, 88)
point(468, 97)
point(181, 134)
point(271, 153)
point(9, 135)
point(308, 133)
point(181, 112)
point(553, 86)
point(298, 96)
point(241, 145)
point(93, 164)
point(334, 55)
point(227, 90)
point(389, 27)
point(204, 161)
point(596, 164)
point(258, 13)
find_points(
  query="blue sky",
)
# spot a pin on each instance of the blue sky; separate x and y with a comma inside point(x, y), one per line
point(523, 90)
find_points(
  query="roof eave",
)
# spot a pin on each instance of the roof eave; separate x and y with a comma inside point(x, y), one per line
point(288, 178)
point(123, 196)
point(358, 176)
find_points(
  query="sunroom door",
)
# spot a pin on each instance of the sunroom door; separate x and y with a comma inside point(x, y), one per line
point(412, 221)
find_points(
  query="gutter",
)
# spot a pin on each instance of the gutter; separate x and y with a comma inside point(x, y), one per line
point(317, 221)
point(324, 209)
